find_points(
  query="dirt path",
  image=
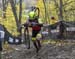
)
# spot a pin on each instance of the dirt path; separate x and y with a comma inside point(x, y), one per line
point(48, 51)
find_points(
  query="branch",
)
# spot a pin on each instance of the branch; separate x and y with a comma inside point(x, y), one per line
point(69, 10)
point(68, 3)
point(56, 4)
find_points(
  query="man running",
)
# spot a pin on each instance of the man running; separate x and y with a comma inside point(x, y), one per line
point(36, 27)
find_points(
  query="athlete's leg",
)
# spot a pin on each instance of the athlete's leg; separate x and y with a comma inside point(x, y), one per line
point(34, 33)
point(39, 44)
point(35, 45)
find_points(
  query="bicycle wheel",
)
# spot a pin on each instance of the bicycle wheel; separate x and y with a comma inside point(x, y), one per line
point(27, 38)
point(28, 41)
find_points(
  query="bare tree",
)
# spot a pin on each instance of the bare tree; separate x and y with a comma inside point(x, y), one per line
point(15, 13)
point(44, 2)
point(20, 15)
point(4, 8)
point(61, 10)
point(17, 18)
point(20, 11)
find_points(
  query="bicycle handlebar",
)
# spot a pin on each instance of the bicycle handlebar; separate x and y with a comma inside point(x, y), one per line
point(32, 24)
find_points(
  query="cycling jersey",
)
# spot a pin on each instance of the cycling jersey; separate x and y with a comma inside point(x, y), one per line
point(35, 27)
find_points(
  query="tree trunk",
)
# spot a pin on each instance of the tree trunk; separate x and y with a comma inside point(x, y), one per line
point(61, 10)
point(57, 6)
point(15, 2)
point(4, 8)
point(20, 16)
point(15, 13)
point(17, 19)
point(45, 11)
point(20, 11)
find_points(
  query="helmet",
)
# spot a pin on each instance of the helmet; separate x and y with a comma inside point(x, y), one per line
point(32, 14)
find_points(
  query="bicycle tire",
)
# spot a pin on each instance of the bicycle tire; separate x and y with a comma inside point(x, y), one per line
point(27, 38)
point(28, 41)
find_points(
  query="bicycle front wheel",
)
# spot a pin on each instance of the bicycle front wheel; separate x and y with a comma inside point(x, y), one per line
point(27, 39)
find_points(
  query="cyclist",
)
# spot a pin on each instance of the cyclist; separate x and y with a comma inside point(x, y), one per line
point(33, 19)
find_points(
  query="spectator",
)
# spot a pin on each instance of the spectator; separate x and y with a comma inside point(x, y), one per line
point(61, 29)
point(1, 36)
point(53, 24)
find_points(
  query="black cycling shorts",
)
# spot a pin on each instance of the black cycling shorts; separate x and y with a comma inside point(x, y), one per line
point(34, 33)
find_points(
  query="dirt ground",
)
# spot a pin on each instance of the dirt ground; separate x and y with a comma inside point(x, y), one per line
point(66, 50)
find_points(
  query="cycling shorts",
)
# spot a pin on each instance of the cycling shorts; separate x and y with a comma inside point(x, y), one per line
point(34, 34)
